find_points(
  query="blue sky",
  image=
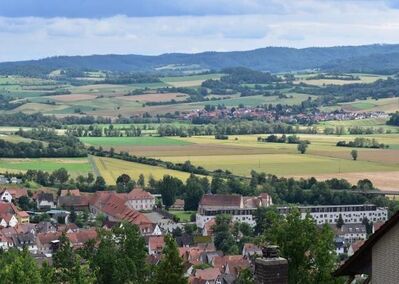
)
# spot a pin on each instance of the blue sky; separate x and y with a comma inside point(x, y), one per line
point(32, 29)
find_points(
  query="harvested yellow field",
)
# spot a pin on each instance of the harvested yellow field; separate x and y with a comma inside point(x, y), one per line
point(110, 169)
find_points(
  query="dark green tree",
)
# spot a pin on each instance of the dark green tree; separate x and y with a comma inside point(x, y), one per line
point(224, 239)
point(170, 269)
point(302, 147)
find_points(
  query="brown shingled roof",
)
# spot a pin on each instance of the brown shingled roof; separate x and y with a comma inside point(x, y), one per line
point(223, 200)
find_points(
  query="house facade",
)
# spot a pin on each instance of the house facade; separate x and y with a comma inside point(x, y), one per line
point(241, 208)
point(351, 214)
point(377, 258)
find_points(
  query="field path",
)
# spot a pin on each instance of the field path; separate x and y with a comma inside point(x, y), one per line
point(93, 165)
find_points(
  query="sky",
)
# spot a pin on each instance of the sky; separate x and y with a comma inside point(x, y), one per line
point(32, 29)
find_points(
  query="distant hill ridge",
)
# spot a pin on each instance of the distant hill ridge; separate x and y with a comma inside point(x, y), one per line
point(274, 59)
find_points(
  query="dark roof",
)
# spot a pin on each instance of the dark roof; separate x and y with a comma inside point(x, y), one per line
point(45, 196)
point(73, 201)
point(222, 200)
point(360, 261)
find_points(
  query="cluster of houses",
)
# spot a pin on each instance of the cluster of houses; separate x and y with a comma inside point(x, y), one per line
point(204, 264)
point(288, 115)
point(9, 180)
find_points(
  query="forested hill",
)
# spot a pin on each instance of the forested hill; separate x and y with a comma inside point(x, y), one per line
point(274, 59)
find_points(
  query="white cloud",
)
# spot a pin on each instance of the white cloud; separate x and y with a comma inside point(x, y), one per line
point(303, 23)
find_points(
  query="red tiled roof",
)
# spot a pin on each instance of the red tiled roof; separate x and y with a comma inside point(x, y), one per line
point(208, 274)
point(70, 192)
point(80, 237)
point(113, 205)
point(67, 227)
point(225, 200)
point(235, 263)
point(139, 194)
point(16, 192)
point(178, 203)
point(47, 238)
point(156, 243)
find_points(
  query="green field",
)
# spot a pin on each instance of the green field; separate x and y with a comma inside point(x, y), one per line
point(387, 105)
point(131, 141)
point(75, 166)
point(374, 123)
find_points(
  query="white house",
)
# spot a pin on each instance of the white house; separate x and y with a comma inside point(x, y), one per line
point(45, 200)
point(139, 199)
point(6, 196)
point(352, 232)
point(8, 220)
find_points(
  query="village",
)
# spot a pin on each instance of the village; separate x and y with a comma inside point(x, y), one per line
point(79, 216)
point(285, 114)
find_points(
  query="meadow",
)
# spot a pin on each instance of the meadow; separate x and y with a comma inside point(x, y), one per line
point(387, 105)
point(75, 166)
point(131, 141)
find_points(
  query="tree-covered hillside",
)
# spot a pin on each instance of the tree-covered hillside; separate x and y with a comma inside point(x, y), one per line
point(274, 59)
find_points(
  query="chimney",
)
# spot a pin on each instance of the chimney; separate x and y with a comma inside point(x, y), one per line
point(271, 269)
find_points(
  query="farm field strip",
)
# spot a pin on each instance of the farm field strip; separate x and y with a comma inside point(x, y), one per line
point(75, 166)
point(110, 169)
point(282, 164)
point(131, 141)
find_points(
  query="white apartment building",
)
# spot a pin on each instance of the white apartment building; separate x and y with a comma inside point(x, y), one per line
point(241, 208)
point(351, 214)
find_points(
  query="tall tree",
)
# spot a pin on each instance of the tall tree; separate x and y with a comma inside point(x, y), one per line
point(308, 248)
point(168, 187)
point(120, 257)
point(170, 270)
point(354, 154)
point(193, 193)
point(224, 239)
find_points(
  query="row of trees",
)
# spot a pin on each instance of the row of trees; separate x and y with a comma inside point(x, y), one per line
point(362, 143)
point(46, 143)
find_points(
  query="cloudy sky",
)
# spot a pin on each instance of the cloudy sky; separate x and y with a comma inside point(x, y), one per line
point(31, 29)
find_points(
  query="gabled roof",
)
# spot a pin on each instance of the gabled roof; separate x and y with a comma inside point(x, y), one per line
point(156, 243)
point(45, 196)
point(113, 205)
point(73, 201)
point(360, 261)
point(15, 192)
point(80, 237)
point(139, 194)
point(209, 274)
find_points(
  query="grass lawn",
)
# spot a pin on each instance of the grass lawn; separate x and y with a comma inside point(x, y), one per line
point(131, 141)
point(184, 216)
point(75, 166)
